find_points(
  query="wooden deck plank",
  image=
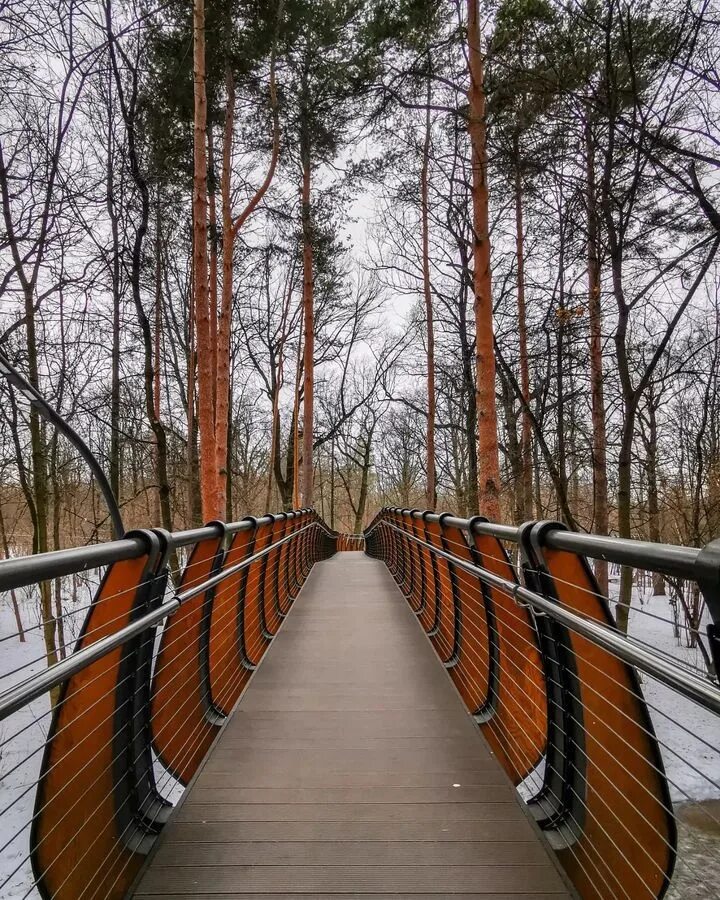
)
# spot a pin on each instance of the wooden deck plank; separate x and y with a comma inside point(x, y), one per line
point(350, 768)
point(528, 895)
point(492, 879)
point(369, 853)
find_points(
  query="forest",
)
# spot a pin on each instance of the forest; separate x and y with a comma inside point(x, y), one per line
point(355, 253)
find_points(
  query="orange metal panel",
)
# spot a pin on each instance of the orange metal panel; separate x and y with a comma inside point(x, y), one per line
point(414, 594)
point(515, 723)
point(284, 570)
point(445, 632)
point(270, 597)
point(431, 613)
point(86, 839)
point(229, 667)
point(471, 674)
point(419, 599)
point(183, 722)
point(303, 550)
point(256, 638)
point(627, 842)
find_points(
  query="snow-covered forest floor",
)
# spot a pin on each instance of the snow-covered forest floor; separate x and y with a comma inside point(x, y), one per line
point(689, 739)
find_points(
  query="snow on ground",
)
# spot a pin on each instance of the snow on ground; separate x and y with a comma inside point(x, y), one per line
point(689, 736)
point(22, 737)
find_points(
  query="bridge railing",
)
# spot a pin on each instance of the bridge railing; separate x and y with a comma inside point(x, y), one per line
point(97, 746)
point(611, 739)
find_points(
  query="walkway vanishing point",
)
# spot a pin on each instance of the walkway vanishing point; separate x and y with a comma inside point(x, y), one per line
point(350, 767)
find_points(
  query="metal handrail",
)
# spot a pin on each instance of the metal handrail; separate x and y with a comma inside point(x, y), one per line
point(645, 659)
point(21, 571)
point(21, 694)
point(669, 559)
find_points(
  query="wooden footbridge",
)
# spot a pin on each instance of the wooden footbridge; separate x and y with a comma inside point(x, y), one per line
point(450, 712)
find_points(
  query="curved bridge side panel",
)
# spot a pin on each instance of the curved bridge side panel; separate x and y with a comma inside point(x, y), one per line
point(86, 822)
point(182, 723)
point(627, 844)
point(516, 727)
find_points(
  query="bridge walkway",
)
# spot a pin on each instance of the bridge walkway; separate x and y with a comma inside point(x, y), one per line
point(350, 768)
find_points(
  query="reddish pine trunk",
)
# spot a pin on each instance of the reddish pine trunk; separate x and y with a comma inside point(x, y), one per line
point(488, 456)
point(309, 338)
point(206, 418)
point(213, 278)
point(431, 493)
point(599, 436)
point(526, 429)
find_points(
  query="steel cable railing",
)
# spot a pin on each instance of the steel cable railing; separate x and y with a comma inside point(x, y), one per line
point(153, 675)
point(560, 694)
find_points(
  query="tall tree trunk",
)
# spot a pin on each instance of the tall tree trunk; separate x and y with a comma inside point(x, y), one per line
point(274, 433)
point(213, 261)
point(228, 508)
point(525, 507)
point(309, 328)
point(560, 364)
point(624, 494)
point(513, 451)
point(39, 486)
point(295, 455)
point(223, 354)
point(57, 543)
point(488, 455)
point(332, 483)
point(55, 481)
point(470, 396)
point(364, 482)
point(294, 444)
point(277, 376)
point(539, 512)
point(430, 489)
point(114, 467)
point(194, 503)
point(206, 386)
point(157, 341)
point(601, 514)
